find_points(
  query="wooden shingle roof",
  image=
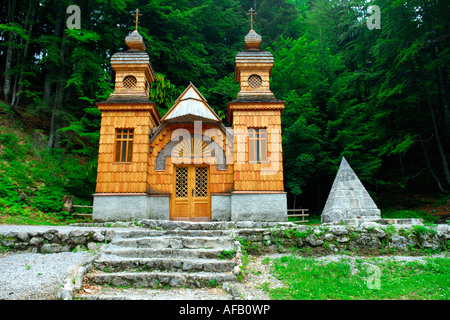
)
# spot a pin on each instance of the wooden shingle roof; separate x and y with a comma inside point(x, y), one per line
point(191, 106)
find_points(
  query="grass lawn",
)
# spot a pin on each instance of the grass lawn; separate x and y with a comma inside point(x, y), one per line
point(361, 278)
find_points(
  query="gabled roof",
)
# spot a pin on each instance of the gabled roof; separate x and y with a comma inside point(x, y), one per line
point(191, 106)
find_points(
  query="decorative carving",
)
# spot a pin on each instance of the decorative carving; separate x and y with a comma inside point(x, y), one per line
point(208, 146)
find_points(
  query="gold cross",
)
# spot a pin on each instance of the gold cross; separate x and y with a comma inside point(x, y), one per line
point(252, 13)
point(137, 17)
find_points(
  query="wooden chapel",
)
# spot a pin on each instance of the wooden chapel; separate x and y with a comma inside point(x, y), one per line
point(187, 165)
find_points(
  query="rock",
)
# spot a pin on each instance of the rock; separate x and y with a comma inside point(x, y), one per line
point(50, 234)
point(94, 246)
point(187, 266)
point(333, 248)
point(50, 248)
point(66, 293)
point(76, 233)
point(36, 241)
point(176, 243)
point(329, 237)
point(312, 241)
point(176, 282)
point(430, 242)
point(32, 234)
point(380, 233)
point(236, 270)
point(400, 242)
point(119, 282)
point(98, 237)
point(365, 242)
point(23, 236)
point(339, 231)
point(343, 239)
point(79, 240)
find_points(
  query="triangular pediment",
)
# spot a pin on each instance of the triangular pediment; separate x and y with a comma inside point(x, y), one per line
point(191, 106)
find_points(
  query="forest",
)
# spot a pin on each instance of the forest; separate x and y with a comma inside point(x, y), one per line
point(377, 96)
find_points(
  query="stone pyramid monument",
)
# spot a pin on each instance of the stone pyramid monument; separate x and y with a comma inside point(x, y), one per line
point(348, 199)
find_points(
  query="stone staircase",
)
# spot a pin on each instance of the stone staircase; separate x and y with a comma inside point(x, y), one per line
point(162, 255)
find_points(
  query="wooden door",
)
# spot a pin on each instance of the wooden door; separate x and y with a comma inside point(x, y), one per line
point(191, 198)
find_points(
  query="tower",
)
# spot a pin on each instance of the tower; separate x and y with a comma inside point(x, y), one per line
point(255, 117)
point(128, 116)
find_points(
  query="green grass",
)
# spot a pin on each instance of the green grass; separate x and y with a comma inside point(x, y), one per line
point(306, 279)
point(405, 214)
point(23, 215)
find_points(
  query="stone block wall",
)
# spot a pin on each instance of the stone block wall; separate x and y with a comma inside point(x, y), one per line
point(369, 237)
point(54, 241)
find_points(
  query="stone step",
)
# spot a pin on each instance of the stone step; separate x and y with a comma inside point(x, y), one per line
point(134, 233)
point(112, 293)
point(164, 264)
point(212, 225)
point(212, 253)
point(160, 279)
point(186, 225)
point(175, 242)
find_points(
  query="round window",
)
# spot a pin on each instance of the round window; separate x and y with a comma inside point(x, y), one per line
point(254, 81)
point(129, 81)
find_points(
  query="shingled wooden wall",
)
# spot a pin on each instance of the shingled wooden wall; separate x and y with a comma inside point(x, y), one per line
point(258, 176)
point(131, 177)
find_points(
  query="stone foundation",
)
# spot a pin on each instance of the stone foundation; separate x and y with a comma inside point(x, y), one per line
point(237, 206)
point(258, 206)
point(220, 207)
point(120, 207)
point(159, 207)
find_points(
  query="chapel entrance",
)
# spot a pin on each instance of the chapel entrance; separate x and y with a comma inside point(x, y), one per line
point(190, 197)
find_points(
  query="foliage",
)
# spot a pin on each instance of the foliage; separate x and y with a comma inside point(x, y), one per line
point(35, 178)
point(48, 200)
point(378, 97)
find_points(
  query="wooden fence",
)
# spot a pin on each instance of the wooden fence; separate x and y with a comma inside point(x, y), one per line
point(69, 207)
point(302, 214)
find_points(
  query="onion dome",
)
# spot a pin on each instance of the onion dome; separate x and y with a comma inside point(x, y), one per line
point(252, 41)
point(135, 42)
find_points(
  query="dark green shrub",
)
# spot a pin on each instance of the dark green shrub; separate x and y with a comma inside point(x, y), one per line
point(48, 199)
point(8, 192)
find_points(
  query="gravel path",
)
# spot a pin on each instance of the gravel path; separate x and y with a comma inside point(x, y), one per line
point(35, 276)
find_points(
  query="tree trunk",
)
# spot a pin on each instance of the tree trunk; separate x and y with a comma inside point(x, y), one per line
point(55, 123)
point(28, 25)
point(427, 160)
point(436, 132)
point(9, 52)
point(443, 95)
